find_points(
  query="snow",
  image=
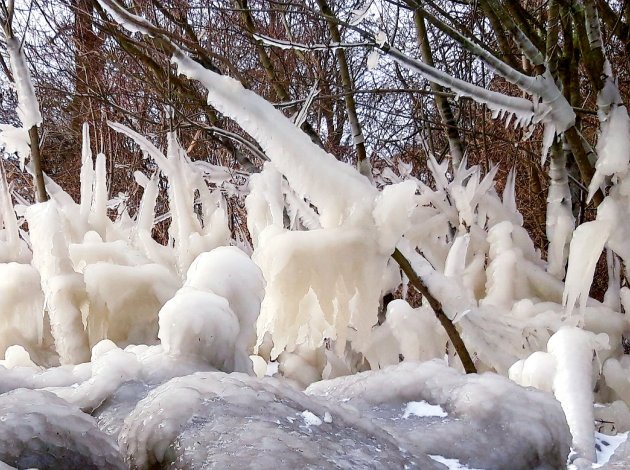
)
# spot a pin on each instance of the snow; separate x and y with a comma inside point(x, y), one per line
point(422, 408)
point(311, 419)
point(606, 446)
point(451, 464)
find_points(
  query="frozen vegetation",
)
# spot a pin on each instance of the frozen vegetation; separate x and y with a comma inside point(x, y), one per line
point(121, 352)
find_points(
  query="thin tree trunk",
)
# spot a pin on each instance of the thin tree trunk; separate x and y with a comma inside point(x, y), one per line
point(444, 107)
point(347, 86)
point(36, 160)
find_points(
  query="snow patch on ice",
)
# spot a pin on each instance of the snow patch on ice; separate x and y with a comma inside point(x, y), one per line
point(310, 418)
point(423, 409)
point(606, 446)
point(451, 464)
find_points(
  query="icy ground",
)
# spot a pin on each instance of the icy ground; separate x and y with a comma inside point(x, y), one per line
point(414, 415)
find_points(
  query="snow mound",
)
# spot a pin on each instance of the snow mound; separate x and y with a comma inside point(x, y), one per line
point(236, 421)
point(525, 428)
point(40, 430)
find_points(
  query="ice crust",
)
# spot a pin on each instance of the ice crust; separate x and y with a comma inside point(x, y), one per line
point(218, 420)
point(527, 425)
point(215, 420)
point(40, 430)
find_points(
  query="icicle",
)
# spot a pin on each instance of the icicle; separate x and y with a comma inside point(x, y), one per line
point(87, 174)
point(146, 211)
point(549, 135)
point(572, 385)
point(586, 247)
point(509, 192)
point(15, 249)
point(98, 212)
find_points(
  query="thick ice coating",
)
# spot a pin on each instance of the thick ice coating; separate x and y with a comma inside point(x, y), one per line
point(212, 316)
point(525, 428)
point(40, 430)
point(236, 421)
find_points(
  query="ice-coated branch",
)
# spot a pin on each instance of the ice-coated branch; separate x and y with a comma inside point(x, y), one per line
point(561, 115)
point(526, 111)
point(525, 82)
point(527, 47)
point(297, 46)
point(588, 35)
point(521, 107)
point(560, 220)
point(27, 110)
point(271, 72)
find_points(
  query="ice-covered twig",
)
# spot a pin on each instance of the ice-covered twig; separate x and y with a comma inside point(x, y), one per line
point(24, 140)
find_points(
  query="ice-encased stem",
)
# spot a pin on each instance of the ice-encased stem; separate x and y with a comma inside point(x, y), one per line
point(560, 221)
point(27, 110)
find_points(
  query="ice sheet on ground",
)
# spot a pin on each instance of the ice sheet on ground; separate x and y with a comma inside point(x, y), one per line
point(606, 446)
point(451, 464)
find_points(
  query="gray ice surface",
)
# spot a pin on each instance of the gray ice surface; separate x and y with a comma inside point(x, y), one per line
point(40, 430)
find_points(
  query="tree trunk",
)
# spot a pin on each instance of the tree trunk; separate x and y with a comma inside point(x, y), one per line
point(446, 113)
point(38, 175)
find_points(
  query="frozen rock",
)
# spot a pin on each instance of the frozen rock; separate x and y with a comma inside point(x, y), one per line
point(40, 430)
point(525, 428)
point(216, 420)
point(111, 415)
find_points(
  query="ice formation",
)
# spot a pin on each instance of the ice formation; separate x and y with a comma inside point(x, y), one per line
point(158, 342)
point(40, 430)
point(573, 350)
point(16, 139)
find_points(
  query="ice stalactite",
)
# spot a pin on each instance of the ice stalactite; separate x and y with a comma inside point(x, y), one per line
point(572, 349)
point(64, 289)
